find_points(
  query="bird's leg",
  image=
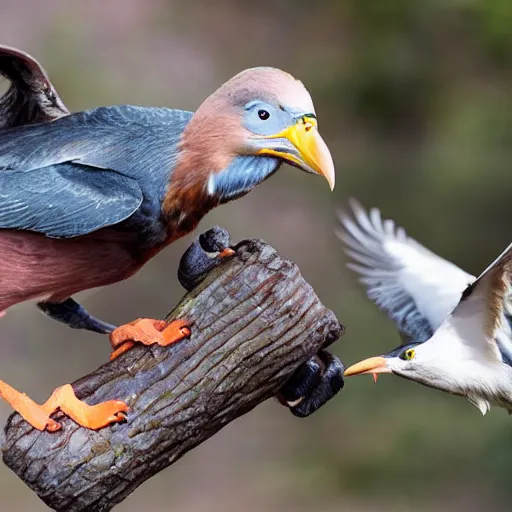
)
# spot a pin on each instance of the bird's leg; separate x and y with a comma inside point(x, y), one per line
point(312, 385)
point(63, 399)
point(75, 316)
point(148, 332)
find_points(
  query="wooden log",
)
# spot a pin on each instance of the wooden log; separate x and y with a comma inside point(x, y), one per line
point(254, 321)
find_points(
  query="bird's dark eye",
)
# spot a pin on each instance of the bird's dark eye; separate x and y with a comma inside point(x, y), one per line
point(263, 115)
point(408, 354)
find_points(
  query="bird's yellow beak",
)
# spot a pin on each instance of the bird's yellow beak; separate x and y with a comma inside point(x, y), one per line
point(374, 365)
point(310, 152)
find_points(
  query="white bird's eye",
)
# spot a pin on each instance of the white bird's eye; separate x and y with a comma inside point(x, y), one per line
point(263, 114)
point(407, 355)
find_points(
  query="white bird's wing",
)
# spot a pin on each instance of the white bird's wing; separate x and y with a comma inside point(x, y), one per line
point(481, 319)
point(414, 286)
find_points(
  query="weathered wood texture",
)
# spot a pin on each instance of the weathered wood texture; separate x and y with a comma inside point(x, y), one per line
point(254, 321)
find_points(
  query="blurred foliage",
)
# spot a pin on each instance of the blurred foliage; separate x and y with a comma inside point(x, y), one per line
point(413, 98)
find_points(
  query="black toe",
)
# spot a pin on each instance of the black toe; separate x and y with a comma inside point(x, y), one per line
point(197, 260)
point(215, 239)
point(303, 381)
point(331, 382)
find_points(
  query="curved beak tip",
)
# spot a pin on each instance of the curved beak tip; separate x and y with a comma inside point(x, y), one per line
point(317, 156)
point(326, 164)
point(331, 182)
point(312, 153)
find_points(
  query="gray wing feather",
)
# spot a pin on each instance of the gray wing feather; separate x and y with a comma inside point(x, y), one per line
point(66, 200)
point(87, 170)
point(415, 287)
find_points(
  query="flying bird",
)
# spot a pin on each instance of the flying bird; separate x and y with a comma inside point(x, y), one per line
point(456, 329)
point(87, 198)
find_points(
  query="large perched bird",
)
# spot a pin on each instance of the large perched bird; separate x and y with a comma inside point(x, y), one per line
point(86, 199)
point(457, 330)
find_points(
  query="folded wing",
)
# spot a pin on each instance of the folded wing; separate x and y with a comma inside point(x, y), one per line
point(87, 170)
point(66, 200)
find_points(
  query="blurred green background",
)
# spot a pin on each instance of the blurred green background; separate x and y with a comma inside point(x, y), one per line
point(414, 99)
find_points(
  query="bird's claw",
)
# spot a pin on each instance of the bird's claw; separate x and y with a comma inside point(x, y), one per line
point(208, 251)
point(39, 418)
point(313, 384)
point(301, 383)
point(52, 425)
point(106, 413)
point(147, 331)
point(93, 417)
point(226, 253)
point(64, 400)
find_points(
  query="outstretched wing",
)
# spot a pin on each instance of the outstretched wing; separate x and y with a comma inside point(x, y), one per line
point(480, 319)
point(415, 287)
point(31, 97)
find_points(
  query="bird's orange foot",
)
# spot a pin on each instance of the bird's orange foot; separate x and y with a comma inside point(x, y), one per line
point(148, 332)
point(64, 399)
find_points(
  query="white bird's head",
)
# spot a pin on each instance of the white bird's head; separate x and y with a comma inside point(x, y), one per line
point(448, 366)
